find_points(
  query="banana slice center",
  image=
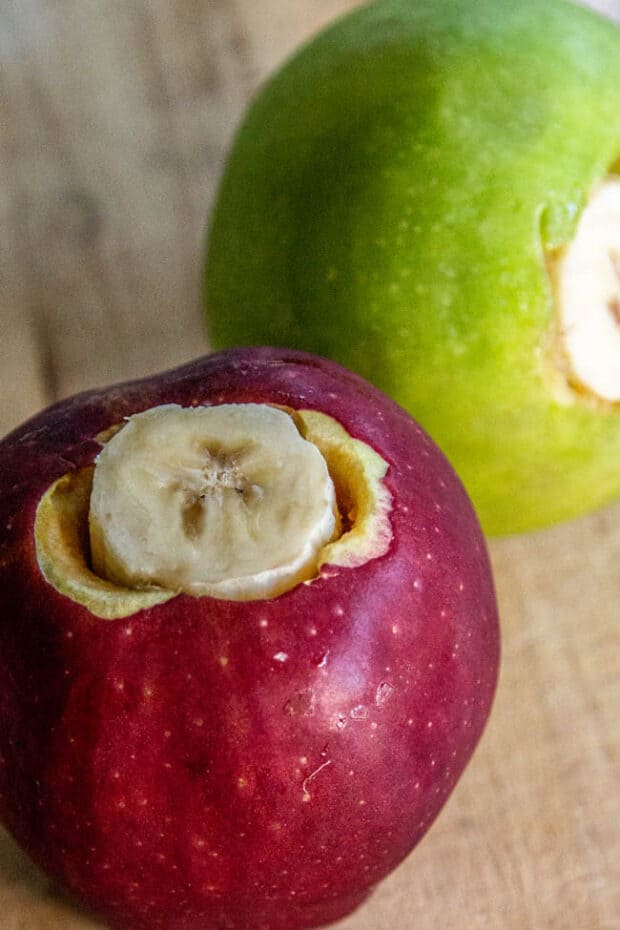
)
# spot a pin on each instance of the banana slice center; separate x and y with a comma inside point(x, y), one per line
point(588, 289)
point(228, 501)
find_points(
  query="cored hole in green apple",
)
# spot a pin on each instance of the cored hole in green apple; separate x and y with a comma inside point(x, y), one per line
point(585, 283)
point(364, 530)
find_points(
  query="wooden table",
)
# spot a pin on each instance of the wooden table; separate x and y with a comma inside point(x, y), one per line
point(115, 119)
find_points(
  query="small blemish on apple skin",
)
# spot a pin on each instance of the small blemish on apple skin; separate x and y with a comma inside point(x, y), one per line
point(383, 693)
point(281, 657)
point(223, 661)
point(326, 573)
point(306, 793)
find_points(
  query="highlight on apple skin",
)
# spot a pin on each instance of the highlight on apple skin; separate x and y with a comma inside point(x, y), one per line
point(199, 762)
point(429, 193)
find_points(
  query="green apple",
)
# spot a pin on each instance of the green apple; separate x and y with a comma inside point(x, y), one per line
point(426, 194)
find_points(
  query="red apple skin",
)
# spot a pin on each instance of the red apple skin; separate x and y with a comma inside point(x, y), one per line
point(218, 765)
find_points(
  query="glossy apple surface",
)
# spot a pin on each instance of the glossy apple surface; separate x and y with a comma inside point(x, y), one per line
point(217, 765)
point(393, 200)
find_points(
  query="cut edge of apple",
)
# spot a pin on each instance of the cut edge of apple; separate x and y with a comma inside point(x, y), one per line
point(364, 502)
point(585, 285)
point(63, 553)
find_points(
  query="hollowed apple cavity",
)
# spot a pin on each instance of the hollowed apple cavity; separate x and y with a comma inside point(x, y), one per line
point(585, 275)
point(139, 526)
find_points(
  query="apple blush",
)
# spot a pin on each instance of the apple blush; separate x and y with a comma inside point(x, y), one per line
point(248, 642)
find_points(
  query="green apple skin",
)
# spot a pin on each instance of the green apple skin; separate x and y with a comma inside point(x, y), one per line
point(390, 202)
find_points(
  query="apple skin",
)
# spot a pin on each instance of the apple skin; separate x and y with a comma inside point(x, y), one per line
point(218, 765)
point(388, 203)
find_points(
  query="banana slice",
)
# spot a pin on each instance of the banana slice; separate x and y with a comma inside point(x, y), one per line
point(227, 501)
point(588, 290)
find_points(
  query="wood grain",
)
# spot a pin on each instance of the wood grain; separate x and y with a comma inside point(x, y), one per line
point(115, 118)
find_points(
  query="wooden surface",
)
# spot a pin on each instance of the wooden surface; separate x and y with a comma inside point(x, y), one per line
point(115, 116)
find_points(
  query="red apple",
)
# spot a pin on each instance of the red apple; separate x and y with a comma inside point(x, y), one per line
point(210, 764)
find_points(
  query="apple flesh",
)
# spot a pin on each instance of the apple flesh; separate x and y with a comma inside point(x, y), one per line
point(399, 198)
point(209, 764)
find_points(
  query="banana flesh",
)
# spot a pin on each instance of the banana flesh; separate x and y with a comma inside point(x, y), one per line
point(228, 501)
point(588, 282)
